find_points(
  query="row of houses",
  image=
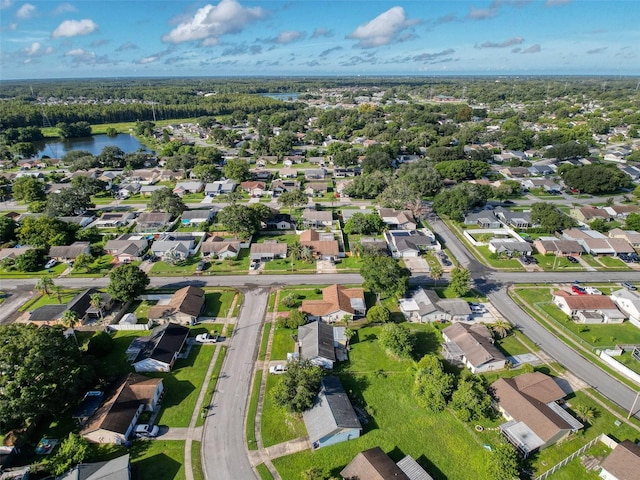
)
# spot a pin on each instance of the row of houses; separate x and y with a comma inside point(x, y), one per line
point(620, 305)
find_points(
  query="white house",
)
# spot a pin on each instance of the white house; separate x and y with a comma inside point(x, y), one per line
point(472, 346)
point(628, 302)
point(623, 463)
point(588, 308)
point(158, 351)
point(426, 306)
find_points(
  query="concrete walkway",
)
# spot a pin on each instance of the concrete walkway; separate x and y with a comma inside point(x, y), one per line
point(286, 448)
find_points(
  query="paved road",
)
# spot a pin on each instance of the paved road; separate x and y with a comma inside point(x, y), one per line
point(224, 453)
point(570, 359)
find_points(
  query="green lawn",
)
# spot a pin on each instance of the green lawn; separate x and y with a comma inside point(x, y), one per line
point(613, 262)
point(141, 308)
point(100, 267)
point(42, 300)
point(300, 294)
point(282, 343)
point(115, 363)
point(53, 271)
point(277, 425)
point(511, 346)
point(164, 268)
point(628, 360)
point(591, 261)
point(218, 303)
point(238, 265)
point(510, 263)
point(264, 472)
point(157, 460)
point(182, 386)
point(551, 262)
point(575, 469)
point(264, 341)
point(288, 265)
point(251, 412)
point(196, 460)
point(213, 381)
point(349, 263)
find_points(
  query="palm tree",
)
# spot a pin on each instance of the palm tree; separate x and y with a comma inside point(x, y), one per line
point(585, 413)
point(69, 319)
point(306, 254)
point(436, 273)
point(357, 249)
point(45, 285)
point(96, 302)
point(348, 334)
point(501, 328)
point(295, 250)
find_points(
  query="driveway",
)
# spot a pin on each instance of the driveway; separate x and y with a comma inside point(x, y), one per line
point(224, 453)
point(417, 265)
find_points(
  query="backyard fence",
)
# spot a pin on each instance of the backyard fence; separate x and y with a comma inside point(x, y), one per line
point(580, 451)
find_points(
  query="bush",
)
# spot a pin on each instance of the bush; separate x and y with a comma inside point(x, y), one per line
point(100, 345)
point(295, 319)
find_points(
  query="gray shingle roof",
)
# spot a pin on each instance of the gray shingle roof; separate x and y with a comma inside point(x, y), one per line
point(316, 340)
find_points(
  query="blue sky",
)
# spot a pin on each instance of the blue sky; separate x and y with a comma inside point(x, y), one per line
point(106, 38)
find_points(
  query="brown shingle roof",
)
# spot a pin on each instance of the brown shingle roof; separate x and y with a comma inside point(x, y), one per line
point(309, 236)
point(475, 341)
point(586, 302)
point(373, 464)
point(154, 217)
point(118, 410)
point(334, 298)
point(188, 300)
point(624, 461)
point(276, 248)
point(523, 406)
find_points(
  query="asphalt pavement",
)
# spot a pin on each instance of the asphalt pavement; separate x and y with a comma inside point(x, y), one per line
point(224, 451)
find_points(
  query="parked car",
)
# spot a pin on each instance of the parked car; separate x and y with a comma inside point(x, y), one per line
point(201, 265)
point(50, 263)
point(207, 338)
point(629, 286)
point(145, 430)
point(578, 290)
point(573, 259)
point(525, 260)
point(278, 369)
point(592, 291)
point(254, 264)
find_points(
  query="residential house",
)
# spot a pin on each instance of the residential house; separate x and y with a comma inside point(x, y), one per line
point(341, 186)
point(317, 161)
point(337, 302)
point(173, 243)
point(184, 307)
point(595, 243)
point(588, 214)
point(628, 302)
point(510, 247)
point(144, 176)
point(426, 306)
point(372, 244)
point(70, 252)
point(534, 418)
point(80, 305)
point(514, 172)
point(541, 183)
point(317, 343)
point(288, 173)
point(147, 190)
point(82, 220)
point(473, 347)
point(623, 463)
point(269, 250)
point(219, 187)
point(315, 189)
point(153, 221)
point(314, 174)
point(14, 252)
point(182, 188)
point(57, 187)
point(220, 248)
point(278, 187)
point(158, 351)
point(588, 308)
point(117, 469)
point(374, 464)
point(343, 172)
point(558, 247)
point(633, 172)
point(630, 236)
point(323, 245)
point(317, 218)
point(484, 219)
point(407, 244)
point(398, 219)
point(541, 170)
point(513, 219)
point(115, 420)
point(621, 212)
point(197, 217)
point(255, 189)
point(281, 221)
point(127, 248)
point(347, 213)
point(331, 419)
point(125, 190)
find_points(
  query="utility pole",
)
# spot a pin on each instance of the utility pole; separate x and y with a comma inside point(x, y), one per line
point(633, 406)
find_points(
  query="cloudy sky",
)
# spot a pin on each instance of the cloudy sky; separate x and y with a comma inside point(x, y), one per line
point(93, 38)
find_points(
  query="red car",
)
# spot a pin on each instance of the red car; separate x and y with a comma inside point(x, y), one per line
point(578, 290)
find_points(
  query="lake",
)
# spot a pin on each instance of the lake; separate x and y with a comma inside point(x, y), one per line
point(58, 148)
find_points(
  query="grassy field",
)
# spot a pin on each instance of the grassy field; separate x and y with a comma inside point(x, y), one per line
point(213, 381)
point(613, 263)
point(158, 459)
point(251, 412)
point(100, 267)
point(165, 269)
point(42, 300)
point(218, 303)
point(278, 425)
point(264, 472)
point(288, 265)
point(553, 263)
point(282, 343)
point(53, 271)
point(510, 345)
point(196, 460)
point(264, 341)
point(183, 386)
point(300, 294)
point(628, 360)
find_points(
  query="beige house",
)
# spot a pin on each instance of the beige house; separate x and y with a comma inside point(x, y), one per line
point(472, 346)
point(623, 463)
point(183, 308)
point(115, 420)
point(337, 302)
point(588, 308)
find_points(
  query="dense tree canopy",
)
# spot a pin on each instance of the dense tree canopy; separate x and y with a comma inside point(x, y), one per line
point(367, 186)
point(164, 200)
point(240, 220)
point(364, 223)
point(44, 231)
point(457, 201)
point(126, 282)
point(432, 387)
point(459, 170)
point(550, 218)
point(298, 386)
point(236, 169)
point(567, 150)
point(27, 189)
point(470, 399)
point(41, 372)
point(384, 276)
point(68, 202)
point(397, 340)
point(597, 179)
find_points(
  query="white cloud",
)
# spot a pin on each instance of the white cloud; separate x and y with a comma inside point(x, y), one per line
point(382, 30)
point(507, 43)
point(210, 22)
point(5, 4)
point(482, 13)
point(64, 8)
point(532, 49)
point(322, 32)
point(33, 49)
point(26, 11)
point(73, 28)
point(287, 37)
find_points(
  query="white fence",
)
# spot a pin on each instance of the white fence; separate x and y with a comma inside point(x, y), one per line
point(137, 326)
point(624, 370)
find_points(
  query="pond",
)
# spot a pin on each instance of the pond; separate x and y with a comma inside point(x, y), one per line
point(94, 144)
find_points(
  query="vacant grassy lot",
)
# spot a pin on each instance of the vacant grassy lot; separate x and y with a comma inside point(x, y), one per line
point(52, 299)
point(282, 343)
point(218, 303)
point(298, 295)
point(278, 425)
point(165, 269)
point(288, 265)
point(183, 386)
point(157, 459)
point(53, 271)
